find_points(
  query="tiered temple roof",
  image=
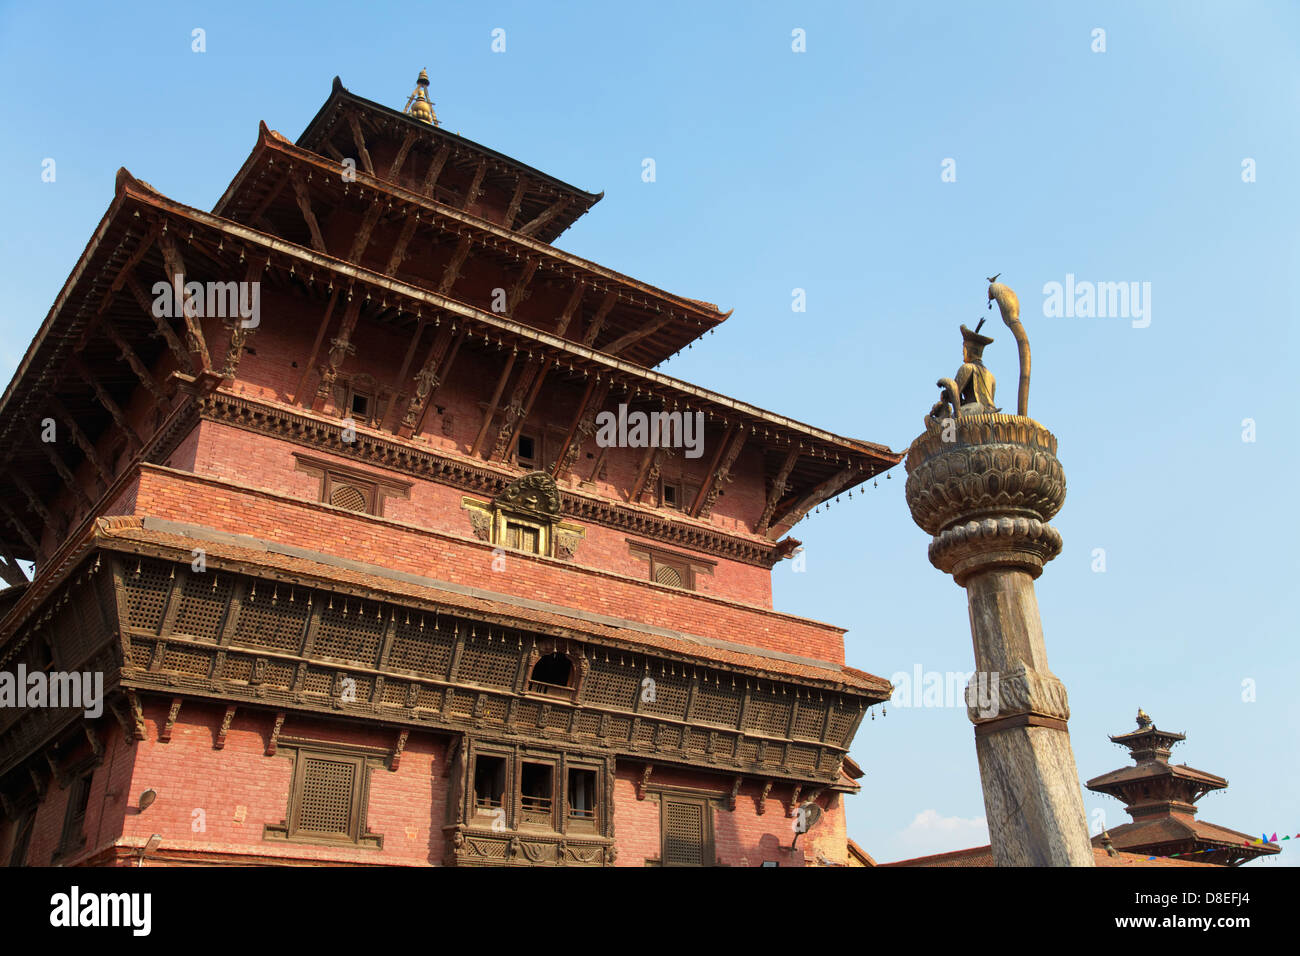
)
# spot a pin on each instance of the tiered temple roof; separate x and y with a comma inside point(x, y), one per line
point(407, 245)
point(1161, 797)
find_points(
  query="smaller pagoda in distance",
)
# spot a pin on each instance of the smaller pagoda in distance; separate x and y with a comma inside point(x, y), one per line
point(1160, 797)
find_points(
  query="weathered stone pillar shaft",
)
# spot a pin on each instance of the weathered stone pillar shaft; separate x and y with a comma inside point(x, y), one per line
point(1004, 621)
point(985, 487)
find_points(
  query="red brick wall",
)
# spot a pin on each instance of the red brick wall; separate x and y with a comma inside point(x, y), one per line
point(240, 789)
point(258, 461)
point(108, 789)
point(742, 837)
point(181, 497)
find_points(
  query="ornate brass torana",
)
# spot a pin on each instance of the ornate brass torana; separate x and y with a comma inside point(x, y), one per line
point(985, 485)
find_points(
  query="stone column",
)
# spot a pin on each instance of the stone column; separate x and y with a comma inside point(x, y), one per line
point(985, 485)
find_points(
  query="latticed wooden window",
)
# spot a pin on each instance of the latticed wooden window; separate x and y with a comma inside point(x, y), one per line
point(687, 836)
point(327, 797)
point(672, 573)
point(353, 497)
point(523, 537)
point(669, 575)
point(668, 568)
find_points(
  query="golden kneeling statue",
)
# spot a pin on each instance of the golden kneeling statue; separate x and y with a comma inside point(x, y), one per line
point(971, 390)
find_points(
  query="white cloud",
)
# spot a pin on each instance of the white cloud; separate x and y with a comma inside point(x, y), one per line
point(931, 833)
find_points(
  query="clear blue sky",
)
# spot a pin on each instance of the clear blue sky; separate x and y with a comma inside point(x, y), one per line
point(822, 171)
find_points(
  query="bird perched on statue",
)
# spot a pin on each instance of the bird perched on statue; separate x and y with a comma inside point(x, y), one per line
point(1009, 306)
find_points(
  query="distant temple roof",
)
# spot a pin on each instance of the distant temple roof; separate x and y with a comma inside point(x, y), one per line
point(1161, 797)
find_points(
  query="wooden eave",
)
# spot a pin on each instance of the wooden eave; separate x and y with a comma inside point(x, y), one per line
point(823, 453)
point(216, 248)
point(1117, 781)
point(382, 118)
point(654, 323)
point(46, 371)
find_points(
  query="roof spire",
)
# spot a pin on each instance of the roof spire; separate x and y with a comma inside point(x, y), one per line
point(418, 104)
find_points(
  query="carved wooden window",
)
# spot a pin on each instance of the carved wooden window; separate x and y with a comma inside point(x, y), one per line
point(358, 400)
point(677, 494)
point(672, 573)
point(526, 517)
point(537, 794)
point(686, 830)
point(583, 800)
point(552, 674)
point(523, 536)
point(489, 782)
point(670, 568)
point(528, 450)
point(348, 488)
point(327, 799)
point(349, 493)
point(360, 406)
point(74, 821)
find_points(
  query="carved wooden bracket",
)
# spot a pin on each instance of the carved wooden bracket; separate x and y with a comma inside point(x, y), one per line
point(225, 728)
point(274, 743)
point(794, 800)
point(165, 735)
point(762, 797)
point(129, 714)
point(398, 748)
point(645, 781)
point(735, 792)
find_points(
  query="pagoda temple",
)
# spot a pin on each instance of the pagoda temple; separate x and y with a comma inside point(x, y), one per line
point(1161, 797)
point(315, 484)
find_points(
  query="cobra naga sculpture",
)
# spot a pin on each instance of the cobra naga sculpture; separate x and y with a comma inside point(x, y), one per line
point(1009, 306)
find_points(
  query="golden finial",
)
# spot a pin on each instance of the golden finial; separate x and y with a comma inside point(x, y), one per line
point(418, 103)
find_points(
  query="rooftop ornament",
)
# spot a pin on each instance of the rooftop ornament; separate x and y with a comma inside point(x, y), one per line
point(418, 103)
